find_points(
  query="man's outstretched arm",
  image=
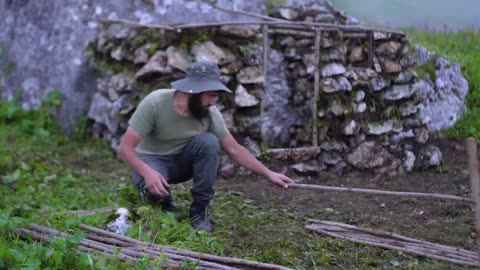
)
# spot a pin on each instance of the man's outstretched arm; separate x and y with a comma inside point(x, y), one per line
point(247, 160)
point(155, 182)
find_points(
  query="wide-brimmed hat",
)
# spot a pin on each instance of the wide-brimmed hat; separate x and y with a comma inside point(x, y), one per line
point(201, 77)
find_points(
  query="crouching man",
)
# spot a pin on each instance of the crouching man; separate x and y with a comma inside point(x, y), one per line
point(175, 135)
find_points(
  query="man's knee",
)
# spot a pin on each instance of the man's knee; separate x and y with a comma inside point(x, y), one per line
point(207, 142)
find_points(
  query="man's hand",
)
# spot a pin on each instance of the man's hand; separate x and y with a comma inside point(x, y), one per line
point(156, 183)
point(279, 179)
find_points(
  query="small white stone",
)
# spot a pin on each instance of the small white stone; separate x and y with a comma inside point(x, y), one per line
point(98, 10)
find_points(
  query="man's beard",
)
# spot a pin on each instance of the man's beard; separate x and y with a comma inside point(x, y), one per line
point(196, 108)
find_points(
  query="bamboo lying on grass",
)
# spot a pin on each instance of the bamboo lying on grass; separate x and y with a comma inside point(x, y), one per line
point(382, 192)
point(129, 249)
point(393, 241)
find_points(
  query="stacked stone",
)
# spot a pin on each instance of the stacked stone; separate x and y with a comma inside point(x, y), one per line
point(374, 118)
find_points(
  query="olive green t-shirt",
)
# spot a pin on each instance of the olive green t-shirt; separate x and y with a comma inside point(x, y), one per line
point(164, 130)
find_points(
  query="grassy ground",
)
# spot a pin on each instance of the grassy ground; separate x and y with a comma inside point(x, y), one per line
point(45, 170)
point(42, 169)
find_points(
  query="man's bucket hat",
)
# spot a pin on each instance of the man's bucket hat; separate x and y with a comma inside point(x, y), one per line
point(201, 77)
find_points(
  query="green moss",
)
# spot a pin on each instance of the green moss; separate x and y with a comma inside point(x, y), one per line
point(391, 112)
point(270, 5)
point(6, 66)
point(138, 41)
point(427, 70)
point(107, 65)
point(196, 36)
point(153, 48)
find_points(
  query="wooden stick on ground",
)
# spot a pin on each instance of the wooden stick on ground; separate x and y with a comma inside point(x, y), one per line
point(387, 246)
point(393, 241)
point(382, 192)
point(81, 213)
point(178, 251)
point(475, 184)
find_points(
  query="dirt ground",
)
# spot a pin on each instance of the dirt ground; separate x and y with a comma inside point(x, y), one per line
point(441, 221)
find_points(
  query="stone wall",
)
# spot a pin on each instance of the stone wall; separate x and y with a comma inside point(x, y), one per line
point(376, 118)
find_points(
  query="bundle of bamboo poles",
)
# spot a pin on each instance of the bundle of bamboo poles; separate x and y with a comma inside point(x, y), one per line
point(98, 241)
point(393, 241)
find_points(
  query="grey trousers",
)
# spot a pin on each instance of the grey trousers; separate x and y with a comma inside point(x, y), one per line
point(198, 161)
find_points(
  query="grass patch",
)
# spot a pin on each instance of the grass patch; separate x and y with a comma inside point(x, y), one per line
point(51, 172)
point(464, 48)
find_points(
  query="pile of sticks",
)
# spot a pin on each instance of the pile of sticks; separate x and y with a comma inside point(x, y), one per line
point(129, 249)
point(393, 241)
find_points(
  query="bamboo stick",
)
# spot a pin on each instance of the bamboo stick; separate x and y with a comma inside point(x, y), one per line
point(382, 234)
point(316, 87)
point(251, 14)
point(382, 192)
point(355, 35)
point(122, 257)
point(390, 236)
point(43, 234)
point(137, 24)
point(207, 257)
point(324, 26)
point(446, 251)
point(382, 245)
point(371, 55)
point(266, 50)
point(291, 32)
point(186, 258)
point(304, 25)
point(475, 184)
point(110, 241)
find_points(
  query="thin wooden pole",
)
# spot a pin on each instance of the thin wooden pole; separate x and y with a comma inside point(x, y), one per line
point(137, 24)
point(291, 32)
point(316, 87)
point(370, 48)
point(251, 14)
point(381, 192)
point(265, 67)
point(475, 184)
point(301, 25)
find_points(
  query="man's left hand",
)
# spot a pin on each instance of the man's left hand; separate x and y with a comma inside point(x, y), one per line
point(280, 179)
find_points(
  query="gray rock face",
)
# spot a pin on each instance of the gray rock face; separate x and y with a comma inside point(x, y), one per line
point(332, 69)
point(297, 154)
point(279, 115)
point(306, 168)
point(100, 112)
point(430, 156)
point(157, 65)
point(208, 52)
point(55, 34)
point(378, 84)
point(351, 128)
point(252, 74)
point(252, 147)
point(243, 99)
point(331, 85)
point(369, 155)
point(409, 161)
point(449, 92)
point(385, 127)
point(177, 58)
point(398, 92)
point(334, 146)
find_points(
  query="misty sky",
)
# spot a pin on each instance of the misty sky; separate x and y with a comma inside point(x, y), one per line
point(405, 13)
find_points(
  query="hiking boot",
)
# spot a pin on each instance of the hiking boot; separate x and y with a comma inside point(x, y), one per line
point(200, 217)
point(165, 202)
